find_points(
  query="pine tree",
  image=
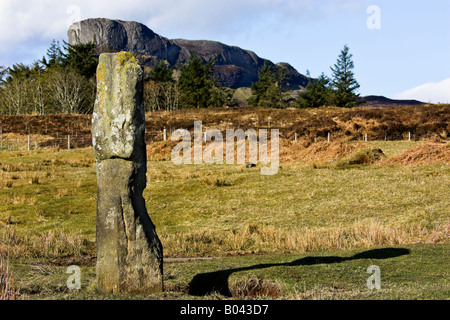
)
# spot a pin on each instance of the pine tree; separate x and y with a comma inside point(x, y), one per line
point(196, 83)
point(55, 56)
point(3, 72)
point(82, 59)
point(344, 83)
point(161, 73)
point(317, 94)
point(268, 90)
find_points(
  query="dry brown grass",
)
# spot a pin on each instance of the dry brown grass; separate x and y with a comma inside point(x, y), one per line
point(7, 286)
point(259, 238)
point(302, 150)
point(16, 199)
point(255, 287)
point(48, 244)
point(321, 152)
point(5, 182)
point(425, 154)
point(394, 123)
point(61, 193)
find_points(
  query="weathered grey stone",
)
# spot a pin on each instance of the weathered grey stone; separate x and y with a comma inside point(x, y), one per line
point(129, 252)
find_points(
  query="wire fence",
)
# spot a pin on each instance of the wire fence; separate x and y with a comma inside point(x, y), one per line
point(14, 142)
point(75, 141)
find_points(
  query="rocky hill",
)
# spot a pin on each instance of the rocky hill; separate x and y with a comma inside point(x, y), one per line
point(235, 67)
point(383, 102)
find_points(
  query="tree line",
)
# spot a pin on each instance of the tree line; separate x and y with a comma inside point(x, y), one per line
point(63, 81)
point(339, 90)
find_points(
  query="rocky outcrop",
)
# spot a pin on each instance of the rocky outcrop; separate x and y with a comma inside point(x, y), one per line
point(295, 79)
point(235, 67)
point(117, 35)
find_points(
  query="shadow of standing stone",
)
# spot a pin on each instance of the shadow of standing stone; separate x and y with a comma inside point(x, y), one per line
point(129, 252)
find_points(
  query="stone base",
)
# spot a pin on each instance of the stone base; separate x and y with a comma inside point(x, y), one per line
point(129, 252)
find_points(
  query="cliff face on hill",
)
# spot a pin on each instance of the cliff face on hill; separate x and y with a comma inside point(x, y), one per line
point(235, 67)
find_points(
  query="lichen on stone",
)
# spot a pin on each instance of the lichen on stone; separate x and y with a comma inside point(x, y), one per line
point(118, 76)
point(129, 252)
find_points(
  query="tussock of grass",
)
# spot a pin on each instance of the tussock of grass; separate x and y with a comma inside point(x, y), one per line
point(218, 210)
point(362, 157)
point(342, 152)
point(50, 244)
point(216, 181)
point(47, 196)
point(8, 290)
point(254, 238)
point(424, 154)
point(255, 287)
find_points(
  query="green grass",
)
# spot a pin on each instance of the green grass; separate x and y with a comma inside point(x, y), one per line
point(48, 210)
point(406, 272)
point(63, 198)
point(394, 147)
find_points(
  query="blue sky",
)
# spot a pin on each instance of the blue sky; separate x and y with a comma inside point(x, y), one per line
point(401, 50)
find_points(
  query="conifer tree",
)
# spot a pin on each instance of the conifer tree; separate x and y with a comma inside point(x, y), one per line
point(343, 82)
point(55, 56)
point(318, 93)
point(81, 58)
point(196, 83)
point(161, 73)
point(268, 90)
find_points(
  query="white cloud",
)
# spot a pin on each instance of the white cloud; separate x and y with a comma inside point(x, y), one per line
point(28, 26)
point(433, 92)
point(47, 19)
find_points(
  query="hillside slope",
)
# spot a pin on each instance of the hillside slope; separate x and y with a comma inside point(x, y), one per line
point(235, 67)
point(395, 123)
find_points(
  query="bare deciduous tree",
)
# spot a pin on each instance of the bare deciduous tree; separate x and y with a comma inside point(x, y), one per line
point(14, 96)
point(67, 91)
point(161, 96)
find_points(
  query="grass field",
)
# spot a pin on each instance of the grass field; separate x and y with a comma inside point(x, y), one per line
point(304, 233)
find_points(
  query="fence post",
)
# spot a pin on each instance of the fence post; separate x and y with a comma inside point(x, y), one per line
point(68, 141)
point(165, 134)
point(329, 136)
point(409, 136)
point(295, 137)
point(365, 137)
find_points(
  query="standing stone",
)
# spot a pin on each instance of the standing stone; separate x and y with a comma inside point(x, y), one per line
point(129, 252)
